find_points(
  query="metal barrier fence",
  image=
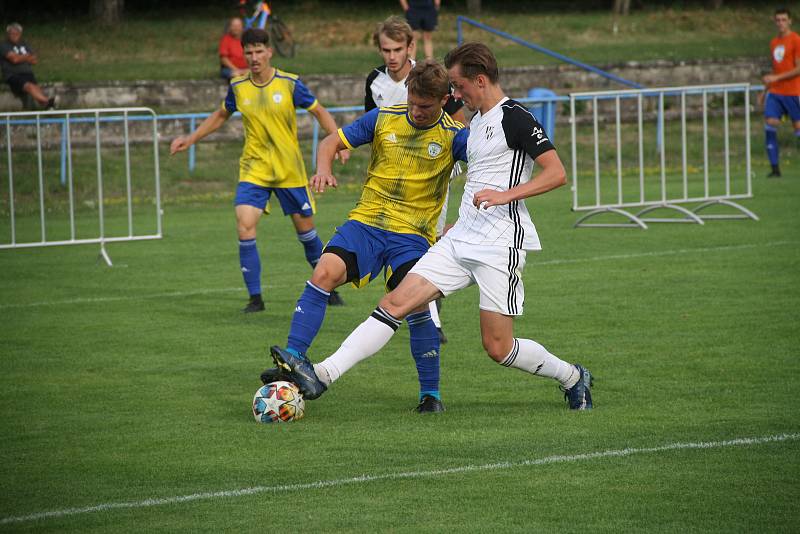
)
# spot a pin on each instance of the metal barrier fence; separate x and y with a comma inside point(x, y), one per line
point(686, 174)
point(27, 135)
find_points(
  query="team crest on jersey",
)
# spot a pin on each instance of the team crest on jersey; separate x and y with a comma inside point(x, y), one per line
point(392, 138)
point(779, 53)
point(277, 97)
point(434, 149)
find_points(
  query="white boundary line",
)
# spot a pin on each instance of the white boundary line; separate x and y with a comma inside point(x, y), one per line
point(321, 484)
point(720, 248)
point(91, 300)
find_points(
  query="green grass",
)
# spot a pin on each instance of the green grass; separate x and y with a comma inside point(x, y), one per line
point(134, 382)
point(336, 38)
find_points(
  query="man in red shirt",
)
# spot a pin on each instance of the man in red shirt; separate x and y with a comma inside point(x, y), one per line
point(782, 86)
point(231, 55)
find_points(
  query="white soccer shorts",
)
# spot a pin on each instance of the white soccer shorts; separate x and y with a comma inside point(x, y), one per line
point(452, 265)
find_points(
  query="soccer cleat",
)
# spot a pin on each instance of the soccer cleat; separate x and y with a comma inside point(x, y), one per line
point(273, 374)
point(300, 371)
point(255, 305)
point(334, 299)
point(442, 337)
point(774, 174)
point(429, 404)
point(51, 103)
point(579, 396)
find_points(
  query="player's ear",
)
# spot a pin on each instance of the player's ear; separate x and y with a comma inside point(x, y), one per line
point(444, 100)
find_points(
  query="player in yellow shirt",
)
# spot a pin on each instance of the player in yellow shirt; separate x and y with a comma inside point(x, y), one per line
point(271, 161)
point(414, 148)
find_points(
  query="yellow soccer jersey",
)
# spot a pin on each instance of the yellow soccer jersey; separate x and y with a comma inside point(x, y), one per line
point(271, 156)
point(409, 169)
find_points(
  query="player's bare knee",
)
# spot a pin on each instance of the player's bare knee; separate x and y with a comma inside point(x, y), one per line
point(394, 306)
point(497, 348)
point(327, 278)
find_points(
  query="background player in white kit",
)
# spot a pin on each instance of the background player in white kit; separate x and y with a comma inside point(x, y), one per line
point(486, 246)
point(386, 86)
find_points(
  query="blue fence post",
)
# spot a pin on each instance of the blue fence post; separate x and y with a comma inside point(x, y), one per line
point(545, 109)
point(64, 152)
point(459, 31)
point(314, 143)
point(192, 121)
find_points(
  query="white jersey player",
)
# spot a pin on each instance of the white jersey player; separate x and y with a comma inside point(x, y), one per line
point(488, 244)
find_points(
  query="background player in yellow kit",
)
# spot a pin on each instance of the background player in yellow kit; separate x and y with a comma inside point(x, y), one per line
point(271, 161)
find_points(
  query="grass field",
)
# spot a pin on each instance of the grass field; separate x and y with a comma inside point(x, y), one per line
point(336, 38)
point(126, 391)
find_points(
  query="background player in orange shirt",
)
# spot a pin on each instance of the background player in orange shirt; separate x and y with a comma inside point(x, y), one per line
point(782, 86)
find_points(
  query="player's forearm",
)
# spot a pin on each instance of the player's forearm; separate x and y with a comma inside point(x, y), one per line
point(325, 119)
point(788, 74)
point(209, 126)
point(404, 5)
point(326, 153)
point(551, 177)
point(226, 62)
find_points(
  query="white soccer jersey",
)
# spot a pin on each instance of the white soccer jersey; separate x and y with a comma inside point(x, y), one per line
point(500, 151)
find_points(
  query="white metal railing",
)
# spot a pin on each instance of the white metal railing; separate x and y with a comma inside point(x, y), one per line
point(636, 113)
point(31, 131)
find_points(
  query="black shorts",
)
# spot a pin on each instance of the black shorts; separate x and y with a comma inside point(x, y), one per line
point(18, 81)
point(422, 19)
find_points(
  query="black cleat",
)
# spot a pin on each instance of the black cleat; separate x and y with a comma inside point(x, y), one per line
point(334, 299)
point(273, 374)
point(774, 174)
point(51, 103)
point(300, 371)
point(579, 396)
point(442, 337)
point(255, 305)
point(429, 404)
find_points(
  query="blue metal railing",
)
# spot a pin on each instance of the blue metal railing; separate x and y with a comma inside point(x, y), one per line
point(460, 21)
point(194, 117)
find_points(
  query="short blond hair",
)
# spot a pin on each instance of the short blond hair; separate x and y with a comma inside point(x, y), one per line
point(428, 79)
point(396, 29)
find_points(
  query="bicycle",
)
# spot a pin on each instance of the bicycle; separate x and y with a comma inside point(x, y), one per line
point(279, 35)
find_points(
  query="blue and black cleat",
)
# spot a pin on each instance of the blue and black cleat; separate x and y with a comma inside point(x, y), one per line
point(299, 370)
point(579, 396)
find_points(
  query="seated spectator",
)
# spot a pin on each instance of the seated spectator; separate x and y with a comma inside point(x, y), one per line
point(16, 61)
point(231, 55)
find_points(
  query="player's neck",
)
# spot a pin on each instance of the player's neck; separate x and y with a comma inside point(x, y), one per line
point(493, 95)
point(400, 75)
point(786, 33)
point(264, 76)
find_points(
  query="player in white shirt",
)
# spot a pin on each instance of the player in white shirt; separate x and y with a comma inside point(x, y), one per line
point(487, 245)
point(386, 86)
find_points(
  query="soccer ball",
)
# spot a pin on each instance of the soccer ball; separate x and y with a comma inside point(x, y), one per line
point(278, 402)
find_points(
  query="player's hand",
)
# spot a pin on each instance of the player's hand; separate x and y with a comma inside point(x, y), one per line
point(487, 198)
point(318, 182)
point(447, 228)
point(343, 156)
point(769, 78)
point(760, 98)
point(179, 144)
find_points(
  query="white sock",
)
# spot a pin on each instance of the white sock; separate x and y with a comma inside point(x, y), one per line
point(435, 314)
point(368, 338)
point(533, 358)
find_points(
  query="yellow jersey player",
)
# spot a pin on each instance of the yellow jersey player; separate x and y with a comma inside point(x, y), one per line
point(271, 161)
point(414, 148)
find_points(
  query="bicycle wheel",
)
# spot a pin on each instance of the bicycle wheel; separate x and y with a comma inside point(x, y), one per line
point(280, 37)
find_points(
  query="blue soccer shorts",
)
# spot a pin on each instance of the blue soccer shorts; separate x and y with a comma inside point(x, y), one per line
point(292, 199)
point(776, 106)
point(367, 250)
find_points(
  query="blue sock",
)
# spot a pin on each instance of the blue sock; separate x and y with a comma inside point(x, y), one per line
point(251, 265)
point(772, 144)
point(425, 349)
point(307, 319)
point(312, 245)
